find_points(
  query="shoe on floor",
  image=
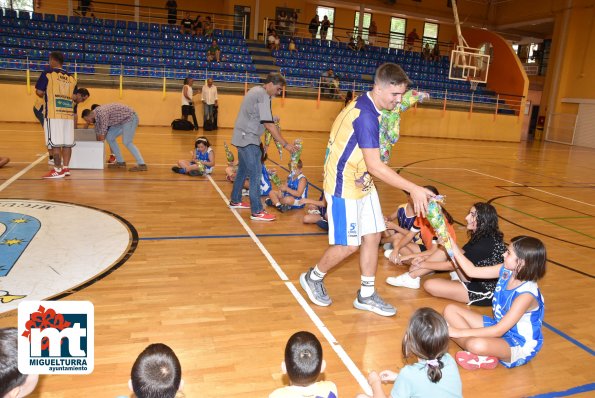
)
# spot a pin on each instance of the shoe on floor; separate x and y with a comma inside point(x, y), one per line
point(470, 361)
point(117, 165)
point(112, 159)
point(375, 304)
point(315, 289)
point(52, 174)
point(66, 171)
point(404, 280)
point(262, 216)
point(194, 173)
point(268, 202)
point(387, 253)
point(238, 205)
point(140, 167)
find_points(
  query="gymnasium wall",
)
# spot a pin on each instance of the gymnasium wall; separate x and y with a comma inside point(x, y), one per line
point(16, 106)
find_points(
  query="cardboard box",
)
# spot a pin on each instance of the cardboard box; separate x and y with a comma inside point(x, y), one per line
point(88, 153)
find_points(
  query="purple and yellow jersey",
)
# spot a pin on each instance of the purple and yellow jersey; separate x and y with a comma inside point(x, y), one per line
point(58, 86)
point(356, 127)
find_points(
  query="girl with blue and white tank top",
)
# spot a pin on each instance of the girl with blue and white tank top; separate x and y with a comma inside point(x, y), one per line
point(513, 336)
point(293, 182)
point(202, 162)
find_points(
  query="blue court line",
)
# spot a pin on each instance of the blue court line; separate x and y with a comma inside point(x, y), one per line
point(287, 170)
point(567, 337)
point(231, 236)
point(565, 393)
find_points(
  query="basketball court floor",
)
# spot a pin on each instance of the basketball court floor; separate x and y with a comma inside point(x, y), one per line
point(163, 259)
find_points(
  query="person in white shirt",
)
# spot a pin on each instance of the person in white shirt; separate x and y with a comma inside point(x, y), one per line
point(188, 101)
point(209, 101)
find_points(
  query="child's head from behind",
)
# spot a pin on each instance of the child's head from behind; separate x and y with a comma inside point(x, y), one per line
point(156, 373)
point(427, 338)
point(303, 359)
point(299, 165)
point(202, 144)
point(447, 215)
point(12, 382)
point(526, 256)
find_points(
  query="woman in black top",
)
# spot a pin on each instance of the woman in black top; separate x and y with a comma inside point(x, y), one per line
point(485, 247)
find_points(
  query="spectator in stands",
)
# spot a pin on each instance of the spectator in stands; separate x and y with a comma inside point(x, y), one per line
point(411, 38)
point(426, 54)
point(197, 26)
point(282, 23)
point(324, 25)
point(436, 53)
point(372, 33)
point(361, 44)
point(326, 82)
point(348, 98)
point(313, 26)
point(209, 103)
point(188, 101)
point(292, 47)
point(157, 372)
point(274, 41)
point(353, 43)
point(207, 26)
point(12, 382)
point(112, 121)
point(214, 52)
point(271, 28)
point(293, 20)
point(186, 25)
point(56, 87)
point(172, 11)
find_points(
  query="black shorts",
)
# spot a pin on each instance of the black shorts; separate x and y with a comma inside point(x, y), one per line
point(187, 110)
point(482, 299)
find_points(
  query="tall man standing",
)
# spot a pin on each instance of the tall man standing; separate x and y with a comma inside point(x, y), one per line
point(354, 214)
point(56, 87)
point(209, 101)
point(254, 117)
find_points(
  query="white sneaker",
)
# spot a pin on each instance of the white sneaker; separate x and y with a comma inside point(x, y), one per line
point(454, 276)
point(387, 253)
point(404, 280)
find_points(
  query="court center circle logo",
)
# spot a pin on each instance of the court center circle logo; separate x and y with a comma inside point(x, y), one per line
point(51, 249)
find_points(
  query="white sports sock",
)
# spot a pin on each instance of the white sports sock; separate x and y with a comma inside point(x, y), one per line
point(317, 274)
point(367, 286)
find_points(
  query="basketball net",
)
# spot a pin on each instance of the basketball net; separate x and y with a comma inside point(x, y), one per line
point(473, 84)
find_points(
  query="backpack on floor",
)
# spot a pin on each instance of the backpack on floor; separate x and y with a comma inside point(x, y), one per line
point(181, 124)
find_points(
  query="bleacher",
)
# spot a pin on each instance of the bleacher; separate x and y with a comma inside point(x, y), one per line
point(136, 49)
point(304, 68)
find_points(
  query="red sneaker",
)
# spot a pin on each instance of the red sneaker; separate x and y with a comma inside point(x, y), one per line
point(263, 216)
point(66, 171)
point(470, 361)
point(238, 205)
point(112, 159)
point(54, 174)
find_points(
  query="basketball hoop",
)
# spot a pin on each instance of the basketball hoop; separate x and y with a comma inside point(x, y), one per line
point(473, 84)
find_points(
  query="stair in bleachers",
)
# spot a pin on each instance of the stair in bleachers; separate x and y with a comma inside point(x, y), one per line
point(261, 57)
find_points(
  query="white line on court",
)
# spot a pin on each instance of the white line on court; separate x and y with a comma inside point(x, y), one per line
point(357, 374)
point(535, 189)
point(20, 173)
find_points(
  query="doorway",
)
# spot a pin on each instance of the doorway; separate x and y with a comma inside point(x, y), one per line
point(242, 13)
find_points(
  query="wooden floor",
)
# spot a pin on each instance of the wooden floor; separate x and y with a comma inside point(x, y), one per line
point(198, 282)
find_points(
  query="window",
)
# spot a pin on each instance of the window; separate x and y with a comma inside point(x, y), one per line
point(330, 13)
point(397, 32)
point(430, 34)
point(365, 25)
point(26, 5)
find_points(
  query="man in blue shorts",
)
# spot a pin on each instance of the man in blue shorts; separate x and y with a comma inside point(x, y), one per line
point(354, 215)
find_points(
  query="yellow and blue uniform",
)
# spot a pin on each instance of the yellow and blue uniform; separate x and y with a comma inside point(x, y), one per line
point(356, 127)
point(58, 86)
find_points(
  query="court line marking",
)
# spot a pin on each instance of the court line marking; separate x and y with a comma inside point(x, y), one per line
point(233, 236)
point(566, 393)
point(567, 337)
point(20, 173)
point(341, 353)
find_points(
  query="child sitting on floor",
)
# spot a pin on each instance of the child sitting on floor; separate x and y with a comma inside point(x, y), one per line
point(203, 159)
point(290, 194)
point(303, 364)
